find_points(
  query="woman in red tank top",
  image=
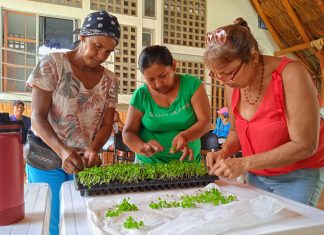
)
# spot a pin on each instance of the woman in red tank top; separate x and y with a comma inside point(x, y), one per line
point(274, 115)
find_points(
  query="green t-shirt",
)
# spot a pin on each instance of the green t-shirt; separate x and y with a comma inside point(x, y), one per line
point(163, 124)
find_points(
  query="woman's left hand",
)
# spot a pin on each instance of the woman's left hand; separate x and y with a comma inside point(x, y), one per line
point(185, 152)
point(181, 144)
point(229, 168)
point(91, 158)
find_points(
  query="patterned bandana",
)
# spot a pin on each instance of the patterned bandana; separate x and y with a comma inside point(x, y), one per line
point(100, 23)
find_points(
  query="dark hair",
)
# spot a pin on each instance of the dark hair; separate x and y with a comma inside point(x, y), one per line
point(238, 45)
point(16, 102)
point(154, 55)
point(242, 22)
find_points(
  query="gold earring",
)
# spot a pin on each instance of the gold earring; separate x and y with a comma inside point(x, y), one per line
point(255, 62)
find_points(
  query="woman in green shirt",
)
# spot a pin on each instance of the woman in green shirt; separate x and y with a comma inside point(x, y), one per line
point(167, 115)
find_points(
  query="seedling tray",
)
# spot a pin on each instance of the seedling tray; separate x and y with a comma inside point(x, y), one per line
point(117, 187)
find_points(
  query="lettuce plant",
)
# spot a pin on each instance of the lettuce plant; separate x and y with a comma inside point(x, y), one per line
point(130, 223)
point(212, 196)
point(121, 208)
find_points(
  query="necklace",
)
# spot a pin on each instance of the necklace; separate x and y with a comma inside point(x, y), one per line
point(250, 100)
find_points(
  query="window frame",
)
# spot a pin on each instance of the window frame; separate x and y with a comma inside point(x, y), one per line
point(155, 10)
point(151, 32)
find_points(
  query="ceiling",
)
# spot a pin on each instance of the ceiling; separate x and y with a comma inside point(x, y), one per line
point(297, 26)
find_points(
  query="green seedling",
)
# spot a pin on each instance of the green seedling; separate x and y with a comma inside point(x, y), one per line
point(130, 223)
point(133, 173)
point(173, 149)
point(121, 208)
point(164, 204)
point(212, 196)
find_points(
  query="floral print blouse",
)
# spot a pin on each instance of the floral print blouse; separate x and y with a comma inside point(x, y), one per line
point(76, 113)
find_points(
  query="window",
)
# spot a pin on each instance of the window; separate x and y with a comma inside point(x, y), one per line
point(149, 8)
point(125, 7)
point(191, 67)
point(55, 33)
point(261, 24)
point(19, 48)
point(181, 19)
point(19, 51)
point(147, 38)
point(125, 59)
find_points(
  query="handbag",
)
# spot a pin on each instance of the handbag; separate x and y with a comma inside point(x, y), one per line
point(39, 154)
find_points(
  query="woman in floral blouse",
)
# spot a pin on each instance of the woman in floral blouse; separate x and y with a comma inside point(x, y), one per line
point(73, 104)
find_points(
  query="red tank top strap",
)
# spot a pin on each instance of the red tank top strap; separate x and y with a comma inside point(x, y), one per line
point(278, 87)
point(283, 63)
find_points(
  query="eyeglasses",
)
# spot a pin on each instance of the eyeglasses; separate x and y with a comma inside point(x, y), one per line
point(225, 77)
point(218, 36)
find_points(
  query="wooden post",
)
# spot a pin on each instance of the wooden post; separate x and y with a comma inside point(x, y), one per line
point(273, 32)
point(320, 5)
point(306, 36)
point(267, 23)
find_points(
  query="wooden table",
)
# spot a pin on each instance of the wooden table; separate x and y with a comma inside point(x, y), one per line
point(300, 219)
point(37, 212)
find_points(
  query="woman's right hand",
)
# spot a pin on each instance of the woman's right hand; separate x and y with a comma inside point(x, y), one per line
point(71, 161)
point(213, 157)
point(150, 148)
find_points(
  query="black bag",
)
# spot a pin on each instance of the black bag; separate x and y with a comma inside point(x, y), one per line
point(4, 117)
point(39, 154)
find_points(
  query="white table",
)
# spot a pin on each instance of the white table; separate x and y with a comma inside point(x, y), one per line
point(37, 212)
point(298, 218)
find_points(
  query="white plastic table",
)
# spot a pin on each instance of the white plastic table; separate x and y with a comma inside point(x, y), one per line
point(37, 212)
point(298, 218)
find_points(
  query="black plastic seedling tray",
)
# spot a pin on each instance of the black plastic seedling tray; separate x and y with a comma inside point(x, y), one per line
point(112, 188)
